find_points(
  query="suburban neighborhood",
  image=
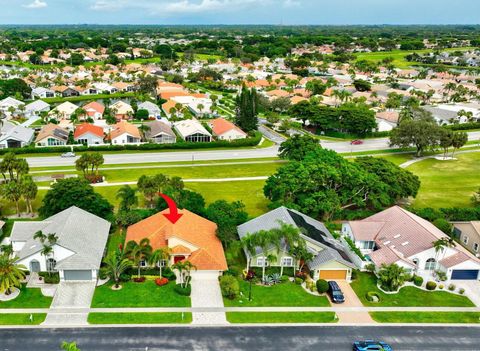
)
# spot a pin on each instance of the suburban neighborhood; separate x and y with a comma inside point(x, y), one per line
point(204, 186)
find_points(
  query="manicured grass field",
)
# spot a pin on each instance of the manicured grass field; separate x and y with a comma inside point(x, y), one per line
point(146, 294)
point(447, 183)
point(426, 317)
point(28, 298)
point(22, 318)
point(408, 296)
point(281, 295)
point(140, 318)
point(281, 317)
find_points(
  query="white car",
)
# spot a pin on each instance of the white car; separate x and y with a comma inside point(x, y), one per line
point(68, 154)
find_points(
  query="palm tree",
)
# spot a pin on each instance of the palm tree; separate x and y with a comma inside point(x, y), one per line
point(116, 265)
point(143, 129)
point(12, 192)
point(11, 274)
point(158, 256)
point(391, 277)
point(287, 235)
point(247, 243)
point(29, 191)
point(264, 239)
point(127, 197)
point(139, 251)
point(69, 346)
point(184, 268)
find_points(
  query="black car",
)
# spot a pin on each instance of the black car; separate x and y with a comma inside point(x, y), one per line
point(336, 294)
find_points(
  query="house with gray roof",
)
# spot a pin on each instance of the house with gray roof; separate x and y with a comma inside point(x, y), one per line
point(331, 259)
point(153, 109)
point(160, 133)
point(78, 251)
point(15, 136)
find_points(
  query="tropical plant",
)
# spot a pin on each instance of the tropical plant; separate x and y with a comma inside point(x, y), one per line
point(69, 346)
point(128, 198)
point(138, 252)
point(391, 277)
point(184, 268)
point(117, 264)
point(11, 274)
point(158, 256)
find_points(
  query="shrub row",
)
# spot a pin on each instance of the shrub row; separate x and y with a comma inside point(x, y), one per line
point(464, 126)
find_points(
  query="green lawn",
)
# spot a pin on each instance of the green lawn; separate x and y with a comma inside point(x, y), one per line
point(447, 183)
point(22, 318)
point(114, 240)
point(146, 294)
point(140, 318)
point(281, 295)
point(281, 317)
point(408, 296)
point(426, 317)
point(28, 298)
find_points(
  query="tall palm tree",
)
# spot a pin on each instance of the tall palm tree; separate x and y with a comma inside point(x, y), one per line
point(29, 191)
point(12, 192)
point(138, 252)
point(247, 243)
point(127, 196)
point(158, 256)
point(286, 235)
point(11, 274)
point(264, 239)
point(143, 128)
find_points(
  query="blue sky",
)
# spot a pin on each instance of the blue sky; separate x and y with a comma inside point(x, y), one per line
point(240, 11)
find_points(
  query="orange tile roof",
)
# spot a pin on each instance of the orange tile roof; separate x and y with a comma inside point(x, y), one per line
point(98, 107)
point(220, 126)
point(180, 249)
point(192, 228)
point(167, 106)
point(123, 127)
point(169, 94)
point(88, 128)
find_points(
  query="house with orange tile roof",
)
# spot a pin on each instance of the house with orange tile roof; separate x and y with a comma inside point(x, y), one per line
point(89, 134)
point(124, 133)
point(192, 238)
point(94, 110)
point(398, 236)
point(52, 135)
point(226, 130)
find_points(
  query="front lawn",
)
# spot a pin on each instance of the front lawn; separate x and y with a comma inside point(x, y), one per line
point(22, 318)
point(140, 318)
point(28, 298)
point(146, 294)
point(408, 296)
point(426, 317)
point(281, 317)
point(281, 295)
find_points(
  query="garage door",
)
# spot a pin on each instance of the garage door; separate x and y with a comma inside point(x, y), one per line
point(464, 274)
point(333, 274)
point(77, 275)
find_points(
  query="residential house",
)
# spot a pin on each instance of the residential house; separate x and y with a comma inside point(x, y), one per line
point(15, 136)
point(94, 110)
point(78, 251)
point(104, 88)
point(153, 109)
point(192, 238)
point(52, 135)
point(121, 110)
point(65, 91)
point(192, 130)
point(398, 236)
point(63, 111)
point(160, 133)
point(198, 104)
point(89, 134)
point(9, 106)
point(226, 130)
point(330, 258)
point(468, 234)
point(126, 87)
point(124, 133)
point(42, 93)
point(36, 108)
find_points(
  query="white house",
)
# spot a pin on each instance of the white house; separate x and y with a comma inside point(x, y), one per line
point(35, 108)
point(63, 111)
point(198, 105)
point(42, 93)
point(191, 130)
point(396, 235)
point(89, 134)
point(15, 136)
point(125, 133)
point(153, 109)
point(10, 106)
point(77, 252)
point(226, 130)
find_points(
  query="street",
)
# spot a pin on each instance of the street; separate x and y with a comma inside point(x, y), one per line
point(337, 338)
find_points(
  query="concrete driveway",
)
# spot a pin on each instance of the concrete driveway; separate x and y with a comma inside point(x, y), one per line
point(472, 289)
point(351, 300)
point(206, 293)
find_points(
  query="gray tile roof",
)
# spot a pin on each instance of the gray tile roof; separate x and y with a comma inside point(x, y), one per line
point(19, 133)
point(157, 127)
point(77, 230)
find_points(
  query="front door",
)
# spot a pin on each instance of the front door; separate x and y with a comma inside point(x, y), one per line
point(35, 266)
point(178, 258)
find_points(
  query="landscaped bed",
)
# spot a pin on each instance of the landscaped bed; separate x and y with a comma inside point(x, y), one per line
point(22, 318)
point(281, 317)
point(28, 298)
point(426, 317)
point(140, 318)
point(408, 296)
point(146, 294)
point(285, 294)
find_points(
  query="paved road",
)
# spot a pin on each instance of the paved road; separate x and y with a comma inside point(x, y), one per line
point(246, 338)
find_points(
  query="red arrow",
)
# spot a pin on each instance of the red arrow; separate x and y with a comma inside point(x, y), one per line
point(173, 216)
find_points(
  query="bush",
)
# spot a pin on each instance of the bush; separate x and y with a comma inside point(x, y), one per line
point(139, 279)
point(125, 277)
point(370, 267)
point(441, 286)
point(298, 281)
point(354, 248)
point(229, 286)
point(431, 285)
point(418, 281)
point(461, 291)
point(371, 296)
point(50, 278)
point(169, 274)
point(184, 291)
point(451, 287)
point(161, 281)
point(322, 286)
point(103, 273)
point(408, 277)
point(284, 278)
point(231, 271)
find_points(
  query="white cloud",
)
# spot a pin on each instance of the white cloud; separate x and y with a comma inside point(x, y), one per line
point(36, 4)
point(170, 7)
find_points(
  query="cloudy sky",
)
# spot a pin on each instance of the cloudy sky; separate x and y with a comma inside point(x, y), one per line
point(239, 11)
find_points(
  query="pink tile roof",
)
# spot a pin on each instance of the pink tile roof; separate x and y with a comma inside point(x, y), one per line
point(454, 260)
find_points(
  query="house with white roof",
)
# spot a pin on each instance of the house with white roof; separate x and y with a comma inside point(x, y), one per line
point(198, 105)
point(153, 109)
point(191, 130)
point(14, 136)
point(9, 106)
point(77, 252)
point(42, 93)
point(398, 236)
point(63, 111)
point(35, 108)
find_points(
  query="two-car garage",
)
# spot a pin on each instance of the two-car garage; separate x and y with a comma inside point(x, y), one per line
point(77, 275)
point(464, 274)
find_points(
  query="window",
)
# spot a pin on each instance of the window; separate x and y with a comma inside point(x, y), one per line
point(51, 265)
point(143, 263)
point(475, 247)
point(287, 261)
point(465, 239)
point(415, 260)
point(162, 263)
point(260, 261)
point(430, 264)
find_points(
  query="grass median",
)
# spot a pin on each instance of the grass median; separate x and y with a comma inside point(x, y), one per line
point(22, 318)
point(426, 317)
point(140, 318)
point(281, 317)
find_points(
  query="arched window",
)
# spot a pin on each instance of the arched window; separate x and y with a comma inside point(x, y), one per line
point(430, 264)
point(51, 265)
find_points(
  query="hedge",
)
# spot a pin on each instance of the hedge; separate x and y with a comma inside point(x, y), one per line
point(184, 291)
point(253, 141)
point(464, 126)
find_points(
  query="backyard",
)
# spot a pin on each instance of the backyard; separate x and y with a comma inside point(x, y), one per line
point(146, 294)
point(408, 296)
